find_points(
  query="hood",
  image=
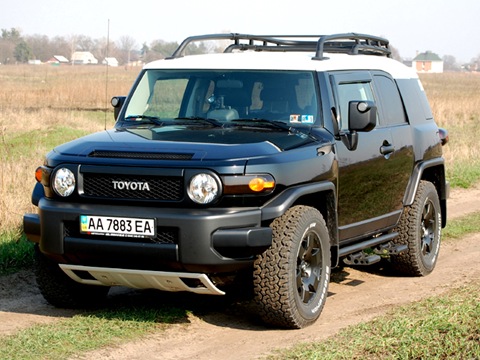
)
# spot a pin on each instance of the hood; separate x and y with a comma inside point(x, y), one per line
point(202, 143)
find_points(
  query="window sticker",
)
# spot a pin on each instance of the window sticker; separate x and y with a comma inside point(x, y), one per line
point(307, 119)
point(295, 118)
point(302, 119)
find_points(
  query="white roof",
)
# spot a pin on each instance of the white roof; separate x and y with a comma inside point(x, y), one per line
point(250, 60)
point(60, 58)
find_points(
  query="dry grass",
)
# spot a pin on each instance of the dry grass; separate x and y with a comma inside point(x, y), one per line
point(64, 87)
point(455, 102)
point(43, 106)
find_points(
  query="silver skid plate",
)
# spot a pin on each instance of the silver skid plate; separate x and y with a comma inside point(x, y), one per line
point(141, 279)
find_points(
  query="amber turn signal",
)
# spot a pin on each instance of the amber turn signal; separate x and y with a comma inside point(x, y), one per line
point(259, 184)
point(39, 174)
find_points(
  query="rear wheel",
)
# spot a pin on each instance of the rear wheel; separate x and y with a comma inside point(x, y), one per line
point(291, 278)
point(60, 290)
point(420, 229)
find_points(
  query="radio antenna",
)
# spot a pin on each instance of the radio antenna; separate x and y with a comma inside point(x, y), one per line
point(106, 72)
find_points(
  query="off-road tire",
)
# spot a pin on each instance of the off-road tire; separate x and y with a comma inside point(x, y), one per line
point(60, 290)
point(291, 277)
point(419, 229)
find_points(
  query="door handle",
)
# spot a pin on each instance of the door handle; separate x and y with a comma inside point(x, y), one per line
point(386, 148)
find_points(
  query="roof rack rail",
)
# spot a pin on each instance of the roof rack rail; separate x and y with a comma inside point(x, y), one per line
point(348, 43)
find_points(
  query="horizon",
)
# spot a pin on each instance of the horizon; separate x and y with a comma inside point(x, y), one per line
point(443, 27)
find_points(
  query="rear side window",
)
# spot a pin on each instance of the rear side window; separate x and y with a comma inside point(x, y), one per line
point(390, 103)
point(416, 103)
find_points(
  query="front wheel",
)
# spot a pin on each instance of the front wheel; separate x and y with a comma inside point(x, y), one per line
point(60, 290)
point(291, 278)
point(420, 229)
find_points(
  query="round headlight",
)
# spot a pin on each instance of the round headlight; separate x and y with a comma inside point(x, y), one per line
point(203, 188)
point(64, 182)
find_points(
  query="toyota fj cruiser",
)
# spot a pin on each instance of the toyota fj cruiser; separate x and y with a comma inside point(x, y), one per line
point(280, 157)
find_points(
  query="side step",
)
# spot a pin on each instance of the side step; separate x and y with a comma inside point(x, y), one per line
point(142, 279)
point(381, 245)
point(361, 258)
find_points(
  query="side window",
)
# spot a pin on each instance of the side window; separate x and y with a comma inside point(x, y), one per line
point(352, 92)
point(390, 102)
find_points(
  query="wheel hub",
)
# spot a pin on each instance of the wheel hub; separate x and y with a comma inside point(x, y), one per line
point(309, 265)
point(428, 228)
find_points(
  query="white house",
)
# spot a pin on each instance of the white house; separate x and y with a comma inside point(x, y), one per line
point(83, 58)
point(110, 61)
point(428, 62)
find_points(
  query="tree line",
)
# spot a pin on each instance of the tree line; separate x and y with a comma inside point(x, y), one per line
point(17, 48)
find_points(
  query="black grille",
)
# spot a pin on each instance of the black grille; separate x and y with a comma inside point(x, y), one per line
point(165, 235)
point(140, 155)
point(133, 187)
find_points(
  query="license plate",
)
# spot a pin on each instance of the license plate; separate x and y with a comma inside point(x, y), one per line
point(117, 226)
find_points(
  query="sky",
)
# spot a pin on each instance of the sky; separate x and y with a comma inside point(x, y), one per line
point(445, 27)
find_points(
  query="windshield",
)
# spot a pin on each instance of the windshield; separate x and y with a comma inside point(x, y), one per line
point(163, 96)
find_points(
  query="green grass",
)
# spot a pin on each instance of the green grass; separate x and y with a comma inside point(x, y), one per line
point(16, 252)
point(28, 142)
point(440, 327)
point(464, 175)
point(85, 332)
point(463, 226)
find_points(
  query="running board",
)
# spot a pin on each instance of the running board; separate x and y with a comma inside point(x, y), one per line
point(142, 279)
point(372, 242)
point(360, 258)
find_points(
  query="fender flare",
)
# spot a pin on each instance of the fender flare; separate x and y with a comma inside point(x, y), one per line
point(283, 201)
point(441, 184)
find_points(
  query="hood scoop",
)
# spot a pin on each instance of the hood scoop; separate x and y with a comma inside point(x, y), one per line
point(140, 155)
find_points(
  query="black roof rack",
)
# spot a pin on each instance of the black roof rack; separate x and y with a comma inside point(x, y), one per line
point(348, 43)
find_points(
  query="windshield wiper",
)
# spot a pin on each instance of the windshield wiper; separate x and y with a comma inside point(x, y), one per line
point(253, 122)
point(208, 120)
point(153, 119)
point(273, 123)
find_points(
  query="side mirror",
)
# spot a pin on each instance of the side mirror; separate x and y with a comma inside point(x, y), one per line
point(362, 116)
point(117, 103)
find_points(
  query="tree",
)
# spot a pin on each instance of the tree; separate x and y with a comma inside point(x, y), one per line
point(395, 53)
point(40, 47)
point(84, 43)
point(101, 49)
point(450, 63)
point(60, 46)
point(162, 48)
point(12, 35)
point(6, 51)
point(126, 45)
point(10, 39)
point(474, 64)
point(22, 52)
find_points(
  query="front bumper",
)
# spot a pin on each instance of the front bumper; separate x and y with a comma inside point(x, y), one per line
point(205, 240)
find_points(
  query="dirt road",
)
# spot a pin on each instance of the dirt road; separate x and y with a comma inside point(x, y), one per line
point(217, 329)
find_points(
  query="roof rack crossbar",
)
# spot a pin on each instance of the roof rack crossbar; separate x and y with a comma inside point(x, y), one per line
point(355, 44)
point(348, 43)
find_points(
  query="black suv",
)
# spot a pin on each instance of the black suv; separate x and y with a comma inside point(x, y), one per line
point(279, 158)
